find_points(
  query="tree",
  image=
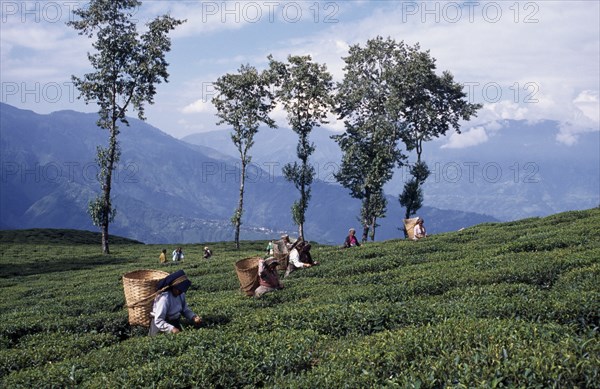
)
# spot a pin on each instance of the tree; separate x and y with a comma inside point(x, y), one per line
point(368, 100)
point(412, 195)
point(304, 89)
point(431, 107)
point(243, 101)
point(128, 66)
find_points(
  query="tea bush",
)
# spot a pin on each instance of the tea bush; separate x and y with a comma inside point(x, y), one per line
point(495, 305)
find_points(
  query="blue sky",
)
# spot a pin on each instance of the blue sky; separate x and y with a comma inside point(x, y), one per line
point(531, 60)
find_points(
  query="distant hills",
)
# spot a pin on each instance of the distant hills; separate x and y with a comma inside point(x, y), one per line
point(58, 236)
point(172, 191)
point(520, 171)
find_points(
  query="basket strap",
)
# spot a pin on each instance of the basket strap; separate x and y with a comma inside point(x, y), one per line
point(149, 297)
point(153, 295)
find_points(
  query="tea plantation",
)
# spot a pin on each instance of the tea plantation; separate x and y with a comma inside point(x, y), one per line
point(495, 305)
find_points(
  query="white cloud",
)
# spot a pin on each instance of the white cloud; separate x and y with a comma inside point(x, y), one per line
point(35, 37)
point(567, 137)
point(199, 106)
point(589, 105)
point(585, 118)
point(506, 110)
point(526, 61)
point(279, 115)
point(508, 50)
point(552, 46)
point(472, 137)
point(190, 128)
point(44, 52)
point(213, 17)
point(202, 17)
point(334, 124)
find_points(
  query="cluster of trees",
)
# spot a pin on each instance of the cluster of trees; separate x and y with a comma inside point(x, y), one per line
point(390, 95)
point(244, 100)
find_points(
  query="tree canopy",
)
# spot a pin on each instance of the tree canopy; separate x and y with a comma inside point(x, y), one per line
point(369, 101)
point(127, 68)
point(244, 102)
point(304, 89)
point(391, 95)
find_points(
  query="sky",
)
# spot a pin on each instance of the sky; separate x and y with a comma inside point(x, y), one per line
point(523, 60)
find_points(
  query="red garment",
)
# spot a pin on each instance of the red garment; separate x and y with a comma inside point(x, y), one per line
point(267, 277)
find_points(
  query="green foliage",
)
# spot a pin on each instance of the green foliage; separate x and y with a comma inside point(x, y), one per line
point(244, 102)
point(304, 89)
point(301, 175)
point(127, 67)
point(98, 213)
point(368, 101)
point(411, 197)
point(495, 305)
point(391, 94)
point(432, 105)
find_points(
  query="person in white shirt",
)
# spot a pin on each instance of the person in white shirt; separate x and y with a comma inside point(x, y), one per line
point(178, 254)
point(419, 230)
point(170, 305)
point(299, 257)
point(207, 253)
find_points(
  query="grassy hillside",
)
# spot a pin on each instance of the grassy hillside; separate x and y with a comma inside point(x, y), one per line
point(496, 305)
point(58, 236)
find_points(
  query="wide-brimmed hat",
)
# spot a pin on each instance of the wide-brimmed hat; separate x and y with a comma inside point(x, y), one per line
point(177, 280)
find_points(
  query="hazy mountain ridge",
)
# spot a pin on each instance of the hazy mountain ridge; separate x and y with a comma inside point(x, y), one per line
point(520, 171)
point(165, 190)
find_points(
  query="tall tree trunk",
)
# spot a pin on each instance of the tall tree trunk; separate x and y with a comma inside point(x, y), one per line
point(410, 211)
point(105, 248)
point(365, 233)
point(107, 186)
point(303, 203)
point(303, 199)
point(366, 211)
point(240, 208)
point(373, 224)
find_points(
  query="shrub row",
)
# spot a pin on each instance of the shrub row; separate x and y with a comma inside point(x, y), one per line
point(495, 305)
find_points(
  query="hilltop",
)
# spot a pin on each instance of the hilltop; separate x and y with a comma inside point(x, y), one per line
point(58, 236)
point(495, 305)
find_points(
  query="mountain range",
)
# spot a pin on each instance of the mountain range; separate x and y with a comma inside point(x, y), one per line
point(168, 190)
point(520, 171)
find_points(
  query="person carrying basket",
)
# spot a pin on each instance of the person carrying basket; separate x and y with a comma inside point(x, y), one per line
point(170, 305)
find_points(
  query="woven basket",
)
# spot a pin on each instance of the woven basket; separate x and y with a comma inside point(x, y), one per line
point(283, 260)
point(247, 272)
point(281, 253)
point(409, 225)
point(140, 290)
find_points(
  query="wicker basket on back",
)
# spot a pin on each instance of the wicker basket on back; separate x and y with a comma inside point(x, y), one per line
point(140, 288)
point(409, 225)
point(281, 254)
point(247, 272)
